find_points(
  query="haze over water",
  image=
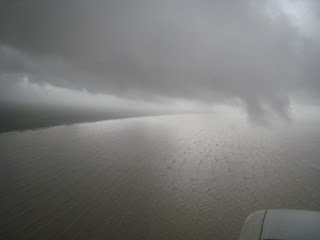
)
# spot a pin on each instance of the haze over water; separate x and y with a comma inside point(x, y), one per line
point(164, 177)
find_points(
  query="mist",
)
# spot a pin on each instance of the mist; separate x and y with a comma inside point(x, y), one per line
point(149, 119)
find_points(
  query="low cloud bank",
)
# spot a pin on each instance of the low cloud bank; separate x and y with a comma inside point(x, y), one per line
point(171, 56)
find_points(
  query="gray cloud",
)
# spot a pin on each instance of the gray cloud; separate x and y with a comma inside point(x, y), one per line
point(210, 51)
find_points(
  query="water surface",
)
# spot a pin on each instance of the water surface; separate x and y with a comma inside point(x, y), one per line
point(168, 177)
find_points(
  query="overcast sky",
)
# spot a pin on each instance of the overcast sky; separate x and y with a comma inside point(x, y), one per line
point(261, 56)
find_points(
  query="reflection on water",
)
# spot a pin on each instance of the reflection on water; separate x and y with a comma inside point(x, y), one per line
point(170, 177)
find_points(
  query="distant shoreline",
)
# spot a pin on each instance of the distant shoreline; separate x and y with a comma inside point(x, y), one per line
point(18, 117)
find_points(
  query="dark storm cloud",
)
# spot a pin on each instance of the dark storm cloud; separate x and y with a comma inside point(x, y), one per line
point(211, 51)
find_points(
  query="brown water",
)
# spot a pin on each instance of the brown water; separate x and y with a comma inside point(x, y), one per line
point(169, 177)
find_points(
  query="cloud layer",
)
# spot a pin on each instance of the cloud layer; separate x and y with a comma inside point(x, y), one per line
point(262, 54)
